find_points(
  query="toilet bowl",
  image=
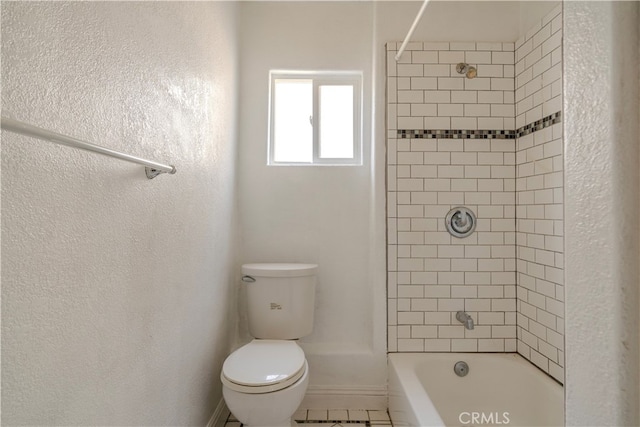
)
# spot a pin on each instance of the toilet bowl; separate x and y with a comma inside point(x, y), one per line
point(264, 381)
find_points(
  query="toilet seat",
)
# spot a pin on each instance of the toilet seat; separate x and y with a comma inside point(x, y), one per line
point(264, 366)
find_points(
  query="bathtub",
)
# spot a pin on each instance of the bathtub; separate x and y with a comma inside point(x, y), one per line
point(500, 389)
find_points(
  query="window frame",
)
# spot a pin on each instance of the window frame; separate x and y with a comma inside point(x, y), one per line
point(319, 78)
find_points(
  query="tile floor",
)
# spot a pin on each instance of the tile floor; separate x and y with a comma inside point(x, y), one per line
point(333, 418)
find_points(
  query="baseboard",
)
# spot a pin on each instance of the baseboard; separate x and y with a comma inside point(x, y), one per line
point(220, 415)
point(339, 397)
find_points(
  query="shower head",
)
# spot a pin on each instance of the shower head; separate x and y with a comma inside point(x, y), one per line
point(468, 70)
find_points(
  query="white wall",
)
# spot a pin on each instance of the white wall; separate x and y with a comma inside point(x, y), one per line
point(601, 169)
point(117, 290)
point(325, 215)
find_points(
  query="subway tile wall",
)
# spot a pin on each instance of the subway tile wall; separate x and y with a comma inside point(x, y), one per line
point(478, 143)
point(539, 198)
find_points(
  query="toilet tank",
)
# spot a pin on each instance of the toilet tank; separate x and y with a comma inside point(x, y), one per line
point(280, 299)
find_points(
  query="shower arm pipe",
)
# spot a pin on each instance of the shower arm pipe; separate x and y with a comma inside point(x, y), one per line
point(412, 29)
point(152, 169)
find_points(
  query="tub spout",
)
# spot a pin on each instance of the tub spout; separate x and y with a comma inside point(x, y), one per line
point(465, 319)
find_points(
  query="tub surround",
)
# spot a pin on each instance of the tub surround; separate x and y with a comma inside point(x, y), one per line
point(539, 197)
point(493, 144)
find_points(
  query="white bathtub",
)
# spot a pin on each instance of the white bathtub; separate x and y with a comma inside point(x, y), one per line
point(500, 389)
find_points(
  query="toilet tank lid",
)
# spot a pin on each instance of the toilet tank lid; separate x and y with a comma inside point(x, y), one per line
point(279, 269)
point(264, 362)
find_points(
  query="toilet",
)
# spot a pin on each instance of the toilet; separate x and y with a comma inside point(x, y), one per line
point(264, 381)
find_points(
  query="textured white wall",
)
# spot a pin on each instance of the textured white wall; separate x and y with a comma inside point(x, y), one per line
point(601, 207)
point(116, 290)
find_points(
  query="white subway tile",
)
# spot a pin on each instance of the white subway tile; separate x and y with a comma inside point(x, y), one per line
point(403, 83)
point(487, 70)
point(437, 345)
point(490, 97)
point(451, 198)
point(477, 198)
point(422, 83)
point(502, 110)
point(489, 318)
point(493, 159)
point(437, 96)
point(422, 171)
point(464, 265)
point(463, 97)
point(423, 144)
point(418, 111)
point(478, 57)
point(502, 58)
point(464, 158)
point(409, 70)
point(436, 46)
point(490, 123)
point(448, 278)
point(450, 110)
point(462, 45)
point(464, 345)
point(480, 83)
point(448, 57)
point(436, 264)
point(410, 96)
point(409, 158)
point(501, 83)
point(438, 70)
point(410, 345)
point(452, 171)
point(410, 211)
point(450, 83)
point(437, 318)
point(477, 110)
point(477, 172)
point(464, 185)
point(410, 264)
point(467, 123)
point(551, 43)
point(410, 122)
point(437, 123)
point(424, 57)
point(489, 46)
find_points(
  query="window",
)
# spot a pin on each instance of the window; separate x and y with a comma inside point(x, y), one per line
point(315, 118)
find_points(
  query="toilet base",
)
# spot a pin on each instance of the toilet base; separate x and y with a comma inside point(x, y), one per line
point(273, 409)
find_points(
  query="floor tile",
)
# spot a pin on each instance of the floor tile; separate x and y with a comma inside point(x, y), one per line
point(300, 414)
point(358, 415)
point(338, 414)
point(379, 416)
point(333, 418)
point(317, 415)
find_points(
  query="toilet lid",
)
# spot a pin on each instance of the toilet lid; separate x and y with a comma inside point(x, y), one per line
point(265, 363)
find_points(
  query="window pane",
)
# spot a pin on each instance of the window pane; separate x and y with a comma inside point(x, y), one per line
point(336, 122)
point(292, 129)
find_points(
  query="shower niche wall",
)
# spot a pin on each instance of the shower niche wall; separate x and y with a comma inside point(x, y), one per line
point(492, 143)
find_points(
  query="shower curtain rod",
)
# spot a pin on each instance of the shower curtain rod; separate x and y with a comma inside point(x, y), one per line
point(411, 30)
point(152, 169)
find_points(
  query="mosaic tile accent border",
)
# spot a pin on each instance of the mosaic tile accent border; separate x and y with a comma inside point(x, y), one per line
point(547, 121)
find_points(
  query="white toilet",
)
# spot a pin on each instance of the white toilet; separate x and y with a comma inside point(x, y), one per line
point(264, 382)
